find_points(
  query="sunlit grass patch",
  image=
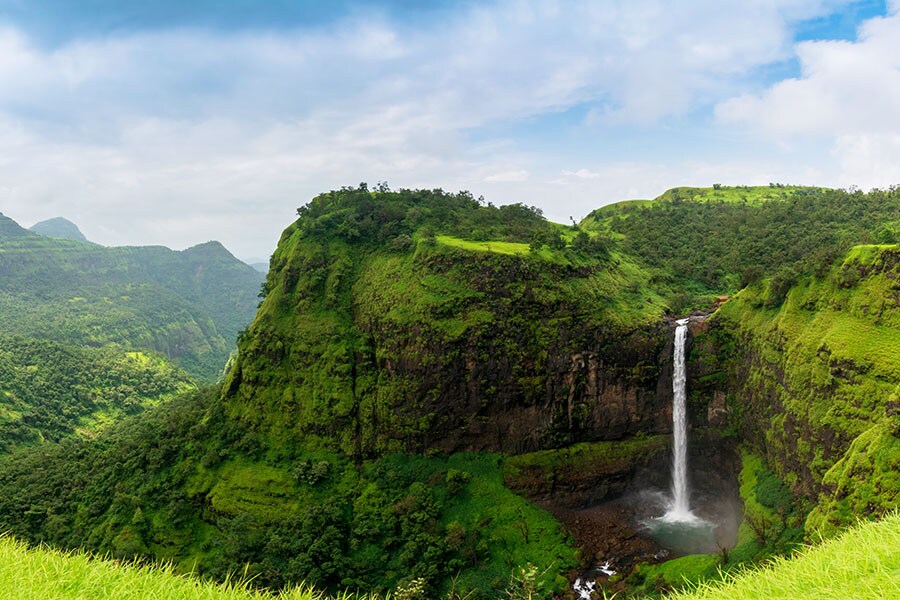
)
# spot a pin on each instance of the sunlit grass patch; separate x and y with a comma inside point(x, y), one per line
point(514, 248)
point(862, 563)
point(43, 574)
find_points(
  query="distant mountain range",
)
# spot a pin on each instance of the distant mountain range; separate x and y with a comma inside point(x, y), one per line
point(258, 263)
point(187, 305)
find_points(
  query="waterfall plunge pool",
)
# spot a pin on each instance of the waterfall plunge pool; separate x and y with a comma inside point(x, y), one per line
point(684, 537)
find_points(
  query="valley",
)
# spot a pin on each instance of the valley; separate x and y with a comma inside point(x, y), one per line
point(471, 399)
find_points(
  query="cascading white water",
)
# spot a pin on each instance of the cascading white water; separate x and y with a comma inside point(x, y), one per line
point(680, 509)
point(679, 530)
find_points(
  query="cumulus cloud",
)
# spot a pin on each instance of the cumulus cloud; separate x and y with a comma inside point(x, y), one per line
point(178, 135)
point(847, 96)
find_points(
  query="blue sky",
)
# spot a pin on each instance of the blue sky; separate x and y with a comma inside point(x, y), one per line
point(178, 122)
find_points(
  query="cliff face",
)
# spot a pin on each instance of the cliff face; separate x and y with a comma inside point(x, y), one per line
point(427, 342)
point(527, 376)
point(811, 383)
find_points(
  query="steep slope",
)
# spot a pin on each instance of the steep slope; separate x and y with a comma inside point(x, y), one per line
point(11, 229)
point(813, 380)
point(187, 305)
point(58, 227)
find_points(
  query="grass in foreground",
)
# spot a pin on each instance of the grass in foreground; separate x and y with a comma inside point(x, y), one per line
point(43, 573)
point(862, 563)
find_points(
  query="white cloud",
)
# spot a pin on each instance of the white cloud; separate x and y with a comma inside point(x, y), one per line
point(848, 96)
point(177, 136)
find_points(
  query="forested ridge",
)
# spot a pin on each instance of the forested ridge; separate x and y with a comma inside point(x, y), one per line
point(186, 305)
point(703, 241)
point(50, 390)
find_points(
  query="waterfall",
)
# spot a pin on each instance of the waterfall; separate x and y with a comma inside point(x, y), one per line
point(680, 509)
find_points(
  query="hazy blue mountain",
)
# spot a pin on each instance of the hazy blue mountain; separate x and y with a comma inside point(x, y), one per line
point(258, 263)
point(58, 227)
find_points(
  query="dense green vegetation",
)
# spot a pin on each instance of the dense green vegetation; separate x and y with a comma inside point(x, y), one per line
point(376, 299)
point(704, 240)
point(48, 390)
point(200, 481)
point(182, 483)
point(814, 383)
point(415, 350)
point(186, 305)
point(862, 563)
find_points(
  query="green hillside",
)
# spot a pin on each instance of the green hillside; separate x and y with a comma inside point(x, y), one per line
point(377, 302)
point(49, 390)
point(698, 241)
point(182, 483)
point(366, 285)
point(416, 352)
point(815, 380)
point(861, 564)
point(186, 305)
point(740, 194)
point(755, 195)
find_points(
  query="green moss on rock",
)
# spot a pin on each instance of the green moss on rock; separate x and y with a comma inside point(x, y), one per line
point(813, 377)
